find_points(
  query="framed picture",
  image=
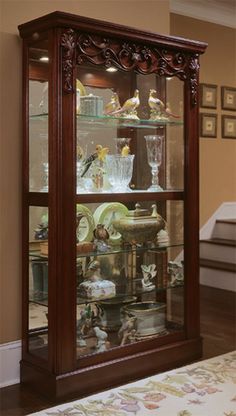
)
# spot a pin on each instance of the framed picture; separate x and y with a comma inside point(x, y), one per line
point(228, 98)
point(208, 125)
point(228, 125)
point(208, 95)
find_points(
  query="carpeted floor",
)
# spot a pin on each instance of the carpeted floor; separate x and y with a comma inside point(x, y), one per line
point(206, 388)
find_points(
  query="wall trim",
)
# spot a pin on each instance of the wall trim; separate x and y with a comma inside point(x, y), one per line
point(220, 13)
point(10, 356)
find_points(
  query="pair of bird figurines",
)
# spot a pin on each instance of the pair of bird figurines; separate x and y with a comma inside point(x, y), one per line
point(158, 110)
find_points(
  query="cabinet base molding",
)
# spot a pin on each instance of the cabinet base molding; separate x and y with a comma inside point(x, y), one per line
point(109, 374)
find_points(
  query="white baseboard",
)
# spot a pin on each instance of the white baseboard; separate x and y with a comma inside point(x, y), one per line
point(10, 356)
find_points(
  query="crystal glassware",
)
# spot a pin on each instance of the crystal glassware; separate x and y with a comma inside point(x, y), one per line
point(154, 155)
point(45, 177)
point(119, 171)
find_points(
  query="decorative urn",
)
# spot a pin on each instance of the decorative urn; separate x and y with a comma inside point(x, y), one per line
point(139, 226)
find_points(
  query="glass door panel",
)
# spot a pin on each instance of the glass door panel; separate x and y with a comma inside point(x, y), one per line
point(38, 117)
point(38, 281)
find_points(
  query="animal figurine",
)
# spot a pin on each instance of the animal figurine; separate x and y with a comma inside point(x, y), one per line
point(113, 105)
point(158, 109)
point(101, 339)
point(125, 150)
point(101, 237)
point(99, 154)
point(129, 107)
point(127, 330)
point(93, 272)
point(149, 272)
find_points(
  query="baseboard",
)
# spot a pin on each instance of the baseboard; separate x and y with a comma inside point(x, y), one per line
point(10, 356)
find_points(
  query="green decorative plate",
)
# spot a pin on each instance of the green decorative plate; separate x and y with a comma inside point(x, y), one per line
point(86, 223)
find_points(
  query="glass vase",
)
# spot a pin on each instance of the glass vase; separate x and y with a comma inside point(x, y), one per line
point(154, 157)
point(119, 171)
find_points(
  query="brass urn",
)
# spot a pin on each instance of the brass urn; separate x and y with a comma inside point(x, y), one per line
point(139, 225)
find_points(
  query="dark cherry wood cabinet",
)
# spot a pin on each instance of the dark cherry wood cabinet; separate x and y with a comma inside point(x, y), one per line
point(110, 204)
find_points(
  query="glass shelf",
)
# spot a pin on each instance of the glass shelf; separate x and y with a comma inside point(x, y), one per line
point(120, 122)
point(135, 293)
point(117, 250)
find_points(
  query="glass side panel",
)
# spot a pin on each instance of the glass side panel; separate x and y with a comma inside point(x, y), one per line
point(130, 273)
point(38, 128)
point(129, 132)
point(38, 281)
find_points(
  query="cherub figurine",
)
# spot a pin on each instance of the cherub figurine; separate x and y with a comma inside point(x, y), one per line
point(127, 330)
point(149, 272)
point(101, 237)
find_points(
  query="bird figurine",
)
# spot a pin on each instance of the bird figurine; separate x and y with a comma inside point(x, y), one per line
point(113, 105)
point(128, 109)
point(125, 150)
point(158, 109)
point(100, 154)
point(149, 272)
point(101, 339)
point(127, 329)
point(101, 236)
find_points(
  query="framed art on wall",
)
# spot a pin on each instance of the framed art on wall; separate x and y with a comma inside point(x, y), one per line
point(208, 95)
point(228, 98)
point(208, 125)
point(228, 125)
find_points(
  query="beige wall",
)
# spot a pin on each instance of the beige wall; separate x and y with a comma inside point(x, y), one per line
point(146, 14)
point(218, 66)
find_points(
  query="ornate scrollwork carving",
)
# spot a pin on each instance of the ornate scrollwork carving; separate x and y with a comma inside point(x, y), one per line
point(68, 44)
point(130, 56)
point(126, 56)
point(193, 77)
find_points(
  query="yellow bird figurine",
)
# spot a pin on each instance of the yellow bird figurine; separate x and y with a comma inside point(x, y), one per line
point(113, 105)
point(100, 154)
point(129, 107)
point(158, 109)
point(125, 150)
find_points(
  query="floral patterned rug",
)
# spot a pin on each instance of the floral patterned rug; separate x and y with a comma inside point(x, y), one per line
point(206, 388)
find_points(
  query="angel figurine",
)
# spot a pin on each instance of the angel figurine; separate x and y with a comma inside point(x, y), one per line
point(149, 272)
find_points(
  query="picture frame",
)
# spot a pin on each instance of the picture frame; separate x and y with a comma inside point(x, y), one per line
point(208, 96)
point(228, 126)
point(228, 98)
point(208, 125)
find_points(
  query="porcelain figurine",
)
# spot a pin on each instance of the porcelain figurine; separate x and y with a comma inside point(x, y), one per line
point(128, 109)
point(101, 238)
point(176, 272)
point(149, 272)
point(83, 325)
point(94, 286)
point(127, 330)
point(101, 339)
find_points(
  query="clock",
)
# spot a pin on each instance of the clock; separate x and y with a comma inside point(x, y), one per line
point(108, 212)
point(85, 223)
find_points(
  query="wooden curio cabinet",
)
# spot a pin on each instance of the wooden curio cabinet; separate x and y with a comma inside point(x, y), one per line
point(110, 204)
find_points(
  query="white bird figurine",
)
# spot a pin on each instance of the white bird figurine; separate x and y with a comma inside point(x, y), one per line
point(129, 107)
point(101, 339)
point(113, 105)
point(158, 109)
